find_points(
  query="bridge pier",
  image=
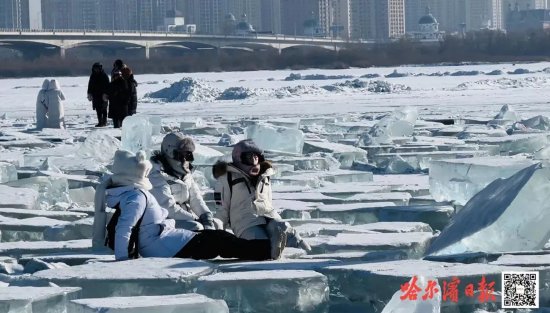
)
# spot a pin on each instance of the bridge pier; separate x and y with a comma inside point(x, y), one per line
point(147, 52)
point(62, 52)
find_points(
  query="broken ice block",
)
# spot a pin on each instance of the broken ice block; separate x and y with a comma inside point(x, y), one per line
point(10, 266)
point(345, 154)
point(506, 113)
point(268, 291)
point(51, 190)
point(205, 155)
point(188, 303)
point(81, 229)
point(136, 133)
point(399, 123)
point(8, 172)
point(17, 249)
point(36, 299)
point(430, 305)
point(34, 265)
point(29, 229)
point(99, 145)
point(156, 125)
point(144, 276)
point(23, 198)
point(460, 179)
point(413, 244)
point(513, 144)
point(273, 138)
point(28, 213)
point(513, 212)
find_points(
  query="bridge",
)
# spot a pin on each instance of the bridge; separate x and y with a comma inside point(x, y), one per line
point(60, 41)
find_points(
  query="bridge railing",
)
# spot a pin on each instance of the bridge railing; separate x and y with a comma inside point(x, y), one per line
point(106, 33)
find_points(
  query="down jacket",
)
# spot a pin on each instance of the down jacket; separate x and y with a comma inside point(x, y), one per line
point(54, 101)
point(181, 197)
point(244, 205)
point(158, 236)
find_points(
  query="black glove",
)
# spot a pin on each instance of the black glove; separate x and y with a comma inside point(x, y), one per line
point(207, 220)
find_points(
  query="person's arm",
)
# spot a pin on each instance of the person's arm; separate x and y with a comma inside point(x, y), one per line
point(61, 95)
point(165, 197)
point(198, 206)
point(132, 209)
point(100, 216)
point(90, 89)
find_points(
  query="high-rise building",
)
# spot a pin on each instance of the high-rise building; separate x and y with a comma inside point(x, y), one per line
point(451, 14)
point(305, 17)
point(341, 19)
point(390, 19)
point(208, 15)
point(16, 14)
point(509, 6)
point(56, 14)
point(483, 14)
point(271, 16)
point(362, 18)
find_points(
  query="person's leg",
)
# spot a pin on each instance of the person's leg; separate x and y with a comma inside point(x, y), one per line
point(103, 120)
point(99, 116)
point(209, 244)
point(255, 233)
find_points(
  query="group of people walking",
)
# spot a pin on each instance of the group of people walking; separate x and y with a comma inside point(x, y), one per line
point(116, 98)
point(163, 214)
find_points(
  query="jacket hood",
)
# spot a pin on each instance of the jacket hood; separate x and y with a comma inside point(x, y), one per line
point(113, 196)
point(268, 170)
point(54, 85)
point(45, 84)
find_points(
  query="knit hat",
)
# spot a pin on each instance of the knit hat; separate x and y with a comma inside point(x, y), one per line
point(241, 147)
point(176, 142)
point(131, 169)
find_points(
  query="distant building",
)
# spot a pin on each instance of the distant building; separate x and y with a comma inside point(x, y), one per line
point(174, 21)
point(483, 14)
point(528, 20)
point(299, 16)
point(389, 19)
point(428, 28)
point(341, 19)
point(244, 28)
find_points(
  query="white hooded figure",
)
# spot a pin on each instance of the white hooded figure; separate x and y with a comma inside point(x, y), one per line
point(42, 106)
point(54, 99)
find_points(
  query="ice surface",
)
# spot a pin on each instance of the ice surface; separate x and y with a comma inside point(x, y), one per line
point(513, 212)
point(100, 145)
point(16, 249)
point(34, 265)
point(268, 291)
point(433, 305)
point(278, 265)
point(276, 138)
point(345, 154)
point(82, 196)
point(70, 259)
point(136, 134)
point(36, 299)
point(24, 198)
point(414, 243)
point(508, 114)
point(144, 276)
point(400, 123)
point(513, 144)
point(8, 172)
point(419, 161)
point(460, 179)
point(205, 155)
point(188, 303)
point(10, 266)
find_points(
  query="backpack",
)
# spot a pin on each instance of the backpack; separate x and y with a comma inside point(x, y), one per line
point(133, 244)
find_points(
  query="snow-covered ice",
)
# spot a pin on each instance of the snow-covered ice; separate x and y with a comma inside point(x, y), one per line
point(36, 299)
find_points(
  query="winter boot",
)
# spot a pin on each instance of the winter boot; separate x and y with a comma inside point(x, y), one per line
point(277, 236)
point(294, 239)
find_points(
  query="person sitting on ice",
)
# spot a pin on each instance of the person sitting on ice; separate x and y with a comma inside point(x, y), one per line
point(143, 226)
point(42, 106)
point(174, 186)
point(54, 99)
point(243, 197)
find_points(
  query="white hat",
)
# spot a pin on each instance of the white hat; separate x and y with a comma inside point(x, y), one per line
point(131, 169)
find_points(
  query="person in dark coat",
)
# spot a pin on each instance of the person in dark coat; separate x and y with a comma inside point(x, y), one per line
point(97, 87)
point(119, 99)
point(132, 85)
point(117, 66)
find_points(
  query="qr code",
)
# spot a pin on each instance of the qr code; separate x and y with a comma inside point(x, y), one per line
point(520, 290)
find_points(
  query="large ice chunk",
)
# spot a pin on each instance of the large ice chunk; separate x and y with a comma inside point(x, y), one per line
point(205, 155)
point(276, 138)
point(136, 133)
point(188, 303)
point(8, 172)
point(430, 305)
point(507, 113)
point(51, 190)
point(36, 299)
point(399, 123)
point(81, 229)
point(23, 198)
point(268, 291)
point(459, 180)
point(345, 154)
point(100, 145)
point(513, 144)
point(513, 212)
point(29, 229)
point(145, 276)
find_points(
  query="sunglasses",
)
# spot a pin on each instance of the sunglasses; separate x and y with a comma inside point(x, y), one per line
point(247, 158)
point(184, 156)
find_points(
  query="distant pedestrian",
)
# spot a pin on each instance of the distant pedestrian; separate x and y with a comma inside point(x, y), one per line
point(119, 99)
point(132, 85)
point(56, 111)
point(42, 106)
point(97, 87)
point(117, 66)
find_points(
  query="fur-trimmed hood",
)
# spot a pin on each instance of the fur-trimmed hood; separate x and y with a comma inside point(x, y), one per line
point(221, 168)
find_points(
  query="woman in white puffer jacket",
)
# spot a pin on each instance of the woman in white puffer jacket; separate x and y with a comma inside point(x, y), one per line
point(56, 112)
point(42, 106)
point(174, 186)
point(128, 189)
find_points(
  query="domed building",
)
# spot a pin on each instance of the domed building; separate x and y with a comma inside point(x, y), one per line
point(428, 28)
point(244, 28)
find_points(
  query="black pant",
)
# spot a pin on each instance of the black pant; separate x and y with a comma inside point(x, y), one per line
point(101, 115)
point(209, 244)
point(117, 122)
